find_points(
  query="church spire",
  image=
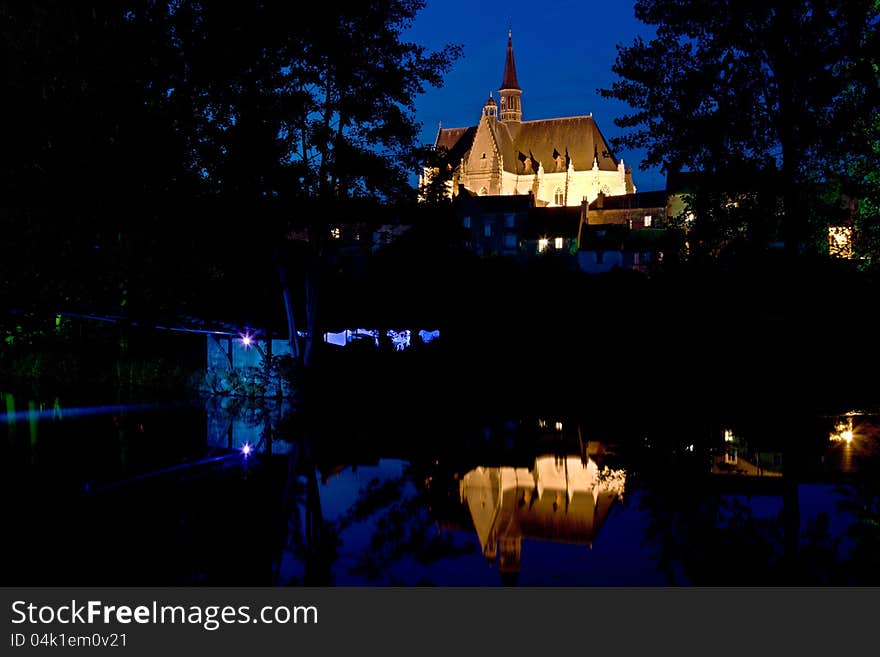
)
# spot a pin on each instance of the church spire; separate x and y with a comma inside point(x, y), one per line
point(509, 81)
point(511, 109)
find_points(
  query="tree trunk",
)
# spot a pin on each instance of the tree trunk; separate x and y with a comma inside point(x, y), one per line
point(789, 121)
point(292, 336)
point(312, 330)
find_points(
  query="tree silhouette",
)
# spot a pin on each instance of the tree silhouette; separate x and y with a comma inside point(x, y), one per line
point(159, 150)
point(768, 85)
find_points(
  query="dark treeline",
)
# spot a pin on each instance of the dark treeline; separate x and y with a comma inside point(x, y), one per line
point(157, 154)
point(761, 96)
point(163, 159)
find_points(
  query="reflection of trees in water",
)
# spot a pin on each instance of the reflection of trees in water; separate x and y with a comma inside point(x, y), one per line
point(308, 538)
point(710, 539)
point(399, 510)
point(704, 538)
point(696, 533)
point(862, 563)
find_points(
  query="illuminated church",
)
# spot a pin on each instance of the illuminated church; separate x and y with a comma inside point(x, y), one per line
point(561, 162)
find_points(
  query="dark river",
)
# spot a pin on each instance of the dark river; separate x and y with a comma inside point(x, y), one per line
point(223, 493)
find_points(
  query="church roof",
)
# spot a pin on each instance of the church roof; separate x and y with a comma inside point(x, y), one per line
point(457, 141)
point(520, 203)
point(578, 137)
point(550, 142)
point(509, 81)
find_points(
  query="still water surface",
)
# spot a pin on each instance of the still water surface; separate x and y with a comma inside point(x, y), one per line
point(218, 493)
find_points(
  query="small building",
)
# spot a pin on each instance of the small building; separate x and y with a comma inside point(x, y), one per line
point(551, 230)
point(494, 224)
point(515, 226)
point(605, 247)
point(637, 210)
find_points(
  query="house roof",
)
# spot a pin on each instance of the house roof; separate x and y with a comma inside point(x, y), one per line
point(655, 199)
point(517, 203)
point(577, 139)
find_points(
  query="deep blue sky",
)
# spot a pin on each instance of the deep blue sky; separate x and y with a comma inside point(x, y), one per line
point(564, 51)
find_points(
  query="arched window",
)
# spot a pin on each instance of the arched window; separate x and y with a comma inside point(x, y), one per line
point(559, 196)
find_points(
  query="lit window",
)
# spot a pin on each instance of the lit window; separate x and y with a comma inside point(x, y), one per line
point(648, 220)
point(487, 229)
point(559, 426)
point(559, 197)
point(335, 233)
point(543, 243)
point(466, 222)
point(840, 241)
point(558, 243)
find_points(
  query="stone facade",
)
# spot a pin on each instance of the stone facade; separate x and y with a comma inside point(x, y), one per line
point(561, 162)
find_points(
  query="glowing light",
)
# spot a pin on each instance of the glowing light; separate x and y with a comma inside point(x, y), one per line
point(843, 431)
point(428, 336)
point(339, 339)
point(543, 243)
point(400, 339)
point(246, 450)
point(728, 436)
point(246, 339)
point(840, 240)
point(559, 426)
point(558, 243)
point(335, 233)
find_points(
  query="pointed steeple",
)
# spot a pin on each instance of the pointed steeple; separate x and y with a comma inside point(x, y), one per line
point(509, 81)
point(511, 109)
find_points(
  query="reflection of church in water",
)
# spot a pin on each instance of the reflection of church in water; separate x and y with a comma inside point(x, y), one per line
point(562, 499)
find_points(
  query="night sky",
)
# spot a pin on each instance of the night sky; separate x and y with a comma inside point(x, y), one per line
point(564, 51)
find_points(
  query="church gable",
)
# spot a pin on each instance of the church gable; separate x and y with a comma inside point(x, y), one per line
point(484, 153)
point(456, 141)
